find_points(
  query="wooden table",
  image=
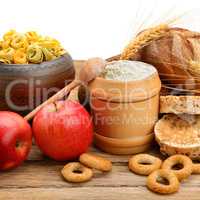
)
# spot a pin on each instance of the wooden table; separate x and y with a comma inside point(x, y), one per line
point(39, 178)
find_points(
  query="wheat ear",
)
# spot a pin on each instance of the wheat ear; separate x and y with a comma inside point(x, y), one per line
point(143, 39)
point(194, 67)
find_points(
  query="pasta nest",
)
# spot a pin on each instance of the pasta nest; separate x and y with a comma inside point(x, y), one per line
point(30, 47)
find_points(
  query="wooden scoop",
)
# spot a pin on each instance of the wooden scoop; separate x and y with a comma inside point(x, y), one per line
point(91, 69)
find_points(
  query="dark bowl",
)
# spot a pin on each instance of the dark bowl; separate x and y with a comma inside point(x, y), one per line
point(23, 87)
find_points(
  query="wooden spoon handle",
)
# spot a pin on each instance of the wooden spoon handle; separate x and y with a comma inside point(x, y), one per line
point(59, 95)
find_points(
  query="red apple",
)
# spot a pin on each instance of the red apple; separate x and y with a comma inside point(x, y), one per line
point(15, 140)
point(63, 130)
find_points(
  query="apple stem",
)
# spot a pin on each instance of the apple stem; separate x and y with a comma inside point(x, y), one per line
point(17, 144)
point(56, 107)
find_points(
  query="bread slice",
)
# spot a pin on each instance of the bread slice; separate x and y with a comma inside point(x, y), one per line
point(179, 134)
point(180, 104)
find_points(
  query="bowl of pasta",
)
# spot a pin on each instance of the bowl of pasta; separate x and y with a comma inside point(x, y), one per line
point(32, 68)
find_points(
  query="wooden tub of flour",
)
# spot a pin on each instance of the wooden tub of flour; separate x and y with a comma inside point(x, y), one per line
point(124, 104)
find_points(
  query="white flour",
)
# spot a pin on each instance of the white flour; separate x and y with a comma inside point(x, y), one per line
point(124, 70)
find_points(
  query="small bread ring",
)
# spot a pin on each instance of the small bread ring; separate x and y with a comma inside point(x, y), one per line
point(144, 164)
point(96, 162)
point(183, 173)
point(154, 184)
point(75, 172)
point(196, 168)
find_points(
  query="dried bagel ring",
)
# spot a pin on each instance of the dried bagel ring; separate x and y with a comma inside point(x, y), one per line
point(96, 162)
point(75, 172)
point(196, 168)
point(183, 160)
point(144, 164)
point(155, 178)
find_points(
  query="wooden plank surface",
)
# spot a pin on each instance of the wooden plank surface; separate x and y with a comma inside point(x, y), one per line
point(39, 178)
point(100, 193)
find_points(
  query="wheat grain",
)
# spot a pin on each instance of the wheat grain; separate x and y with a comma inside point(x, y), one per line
point(194, 67)
point(143, 39)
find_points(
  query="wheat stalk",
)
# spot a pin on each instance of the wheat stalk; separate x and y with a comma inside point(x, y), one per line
point(143, 39)
point(194, 67)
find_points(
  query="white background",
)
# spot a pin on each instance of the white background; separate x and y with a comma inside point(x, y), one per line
point(88, 28)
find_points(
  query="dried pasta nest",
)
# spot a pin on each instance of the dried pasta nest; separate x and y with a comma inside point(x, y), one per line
point(28, 48)
point(179, 134)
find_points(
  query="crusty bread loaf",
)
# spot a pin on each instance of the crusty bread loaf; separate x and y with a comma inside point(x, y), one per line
point(180, 104)
point(179, 134)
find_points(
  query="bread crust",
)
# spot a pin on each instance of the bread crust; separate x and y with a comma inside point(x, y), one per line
point(180, 104)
